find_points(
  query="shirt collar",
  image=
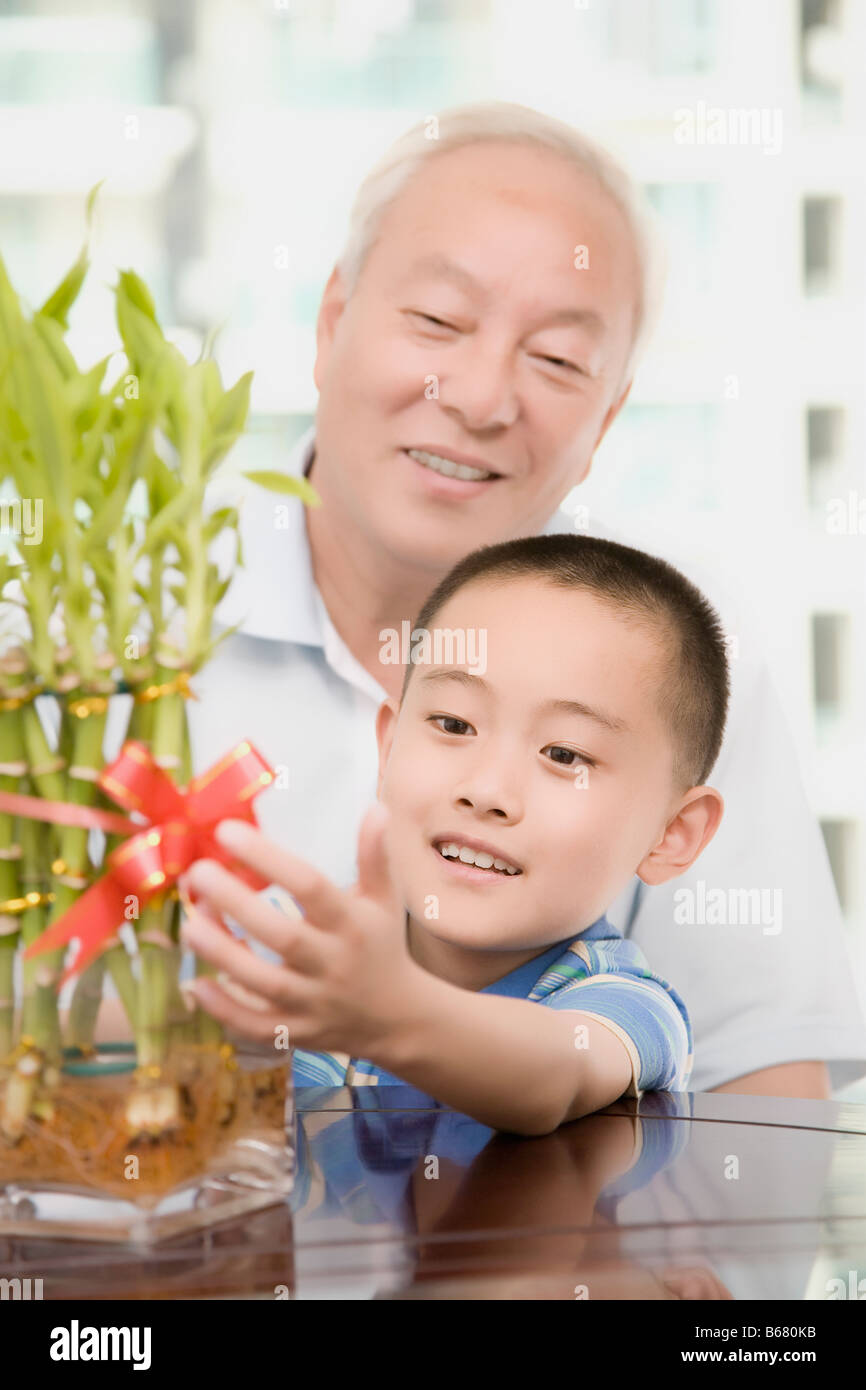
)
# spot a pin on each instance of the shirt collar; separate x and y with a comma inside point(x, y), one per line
point(274, 593)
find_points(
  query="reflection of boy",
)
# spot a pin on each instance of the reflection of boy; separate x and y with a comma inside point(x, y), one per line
point(523, 801)
point(373, 1168)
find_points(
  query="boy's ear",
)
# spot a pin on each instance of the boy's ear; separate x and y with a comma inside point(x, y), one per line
point(386, 723)
point(686, 835)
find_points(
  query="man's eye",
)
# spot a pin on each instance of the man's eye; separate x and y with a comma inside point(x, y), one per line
point(445, 722)
point(429, 318)
point(566, 757)
point(562, 362)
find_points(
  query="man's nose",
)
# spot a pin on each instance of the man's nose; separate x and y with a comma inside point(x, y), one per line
point(480, 389)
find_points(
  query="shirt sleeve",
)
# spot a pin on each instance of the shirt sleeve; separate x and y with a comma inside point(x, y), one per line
point(644, 1011)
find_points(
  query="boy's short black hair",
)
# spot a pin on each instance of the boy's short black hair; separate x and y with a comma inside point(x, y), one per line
point(695, 685)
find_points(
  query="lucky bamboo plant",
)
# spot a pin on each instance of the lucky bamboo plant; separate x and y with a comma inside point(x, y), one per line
point(114, 599)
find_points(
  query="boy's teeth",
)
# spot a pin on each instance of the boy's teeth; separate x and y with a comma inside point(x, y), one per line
point(480, 858)
point(448, 466)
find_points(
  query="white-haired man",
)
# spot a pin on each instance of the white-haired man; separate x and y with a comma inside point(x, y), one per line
point(470, 360)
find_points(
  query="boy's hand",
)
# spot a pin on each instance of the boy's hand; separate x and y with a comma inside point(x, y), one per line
point(346, 976)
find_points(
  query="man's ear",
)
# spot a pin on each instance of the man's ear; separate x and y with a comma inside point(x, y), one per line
point(333, 303)
point(386, 723)
point(606, 424)
point(686, 835)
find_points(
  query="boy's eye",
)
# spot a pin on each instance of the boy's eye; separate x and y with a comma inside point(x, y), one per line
point(566, 757)
point(446, 723)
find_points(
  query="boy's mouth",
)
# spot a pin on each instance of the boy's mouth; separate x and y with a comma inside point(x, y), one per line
point(474, 854)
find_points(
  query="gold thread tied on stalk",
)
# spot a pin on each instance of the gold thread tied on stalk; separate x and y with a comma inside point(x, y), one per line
point(179, 686)
point(10, 703)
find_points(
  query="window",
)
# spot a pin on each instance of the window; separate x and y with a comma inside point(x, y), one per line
point(821, 61)
point(830, 650)
point(822, 225)
point(825, 435)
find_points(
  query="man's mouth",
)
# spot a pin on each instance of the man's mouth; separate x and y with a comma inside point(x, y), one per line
point(453, 467)
point(477, 856)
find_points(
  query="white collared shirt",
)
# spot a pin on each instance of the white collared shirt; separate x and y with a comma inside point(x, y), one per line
point(756, 996)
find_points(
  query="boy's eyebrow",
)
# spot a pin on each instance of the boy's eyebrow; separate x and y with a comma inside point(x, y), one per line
point(439, 264)
point(610, 721)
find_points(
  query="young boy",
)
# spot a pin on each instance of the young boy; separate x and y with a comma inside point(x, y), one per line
point(519, 794)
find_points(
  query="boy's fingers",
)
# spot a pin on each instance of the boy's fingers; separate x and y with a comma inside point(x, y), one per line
point(248, 1022)
point(321, 902)
point(374, 871)
point(222, 893)
point(222, 949)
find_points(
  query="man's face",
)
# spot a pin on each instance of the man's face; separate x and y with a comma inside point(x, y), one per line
point(472, 334)
point(556, 761)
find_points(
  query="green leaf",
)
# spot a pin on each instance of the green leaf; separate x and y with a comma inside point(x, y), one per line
point(160, 527)
point(135, 291)
point(58, 304)
point(222, 519)
point(287, 484)
point(51, 333)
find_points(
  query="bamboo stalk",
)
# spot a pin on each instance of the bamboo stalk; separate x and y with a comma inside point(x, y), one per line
point(13, 768)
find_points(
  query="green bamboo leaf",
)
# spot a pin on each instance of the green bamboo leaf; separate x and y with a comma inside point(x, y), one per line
point(213, 646)
point(162, 484)
point(212, 386)
point(58, 304)
point(227, 420)
point(160, 527)
point(287, 484)
point(84, 393)
point(221, 519)
point(39, 389)
point(135, 291)
point(50, 332)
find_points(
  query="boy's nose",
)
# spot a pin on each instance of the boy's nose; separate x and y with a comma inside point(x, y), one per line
point(490, 802)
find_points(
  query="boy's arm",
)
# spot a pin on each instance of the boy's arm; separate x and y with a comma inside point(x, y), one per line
point(512, 1064)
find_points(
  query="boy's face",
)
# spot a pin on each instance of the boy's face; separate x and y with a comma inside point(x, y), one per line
point(573, 798)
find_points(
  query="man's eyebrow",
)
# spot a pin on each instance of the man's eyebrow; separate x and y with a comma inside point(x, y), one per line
point(610, 721)
point(439, 264)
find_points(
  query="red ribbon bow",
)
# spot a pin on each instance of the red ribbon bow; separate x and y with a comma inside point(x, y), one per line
point(182, 822)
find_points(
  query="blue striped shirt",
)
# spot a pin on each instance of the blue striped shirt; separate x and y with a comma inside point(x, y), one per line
point(598, 973)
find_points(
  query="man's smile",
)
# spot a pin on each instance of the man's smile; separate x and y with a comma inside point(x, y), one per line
point(450, 474)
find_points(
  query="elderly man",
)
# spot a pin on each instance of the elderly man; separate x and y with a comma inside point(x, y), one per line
point(475, 342)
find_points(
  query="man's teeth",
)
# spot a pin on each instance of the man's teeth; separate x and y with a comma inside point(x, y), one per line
point(478, 857)
point(448, 466)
